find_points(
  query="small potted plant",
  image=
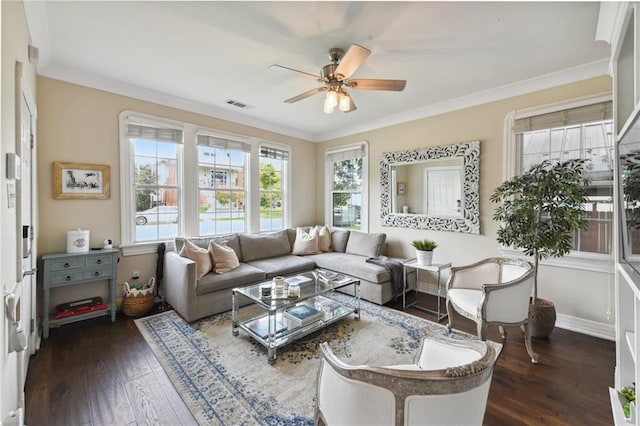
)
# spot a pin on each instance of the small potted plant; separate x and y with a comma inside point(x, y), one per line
point(424, 251)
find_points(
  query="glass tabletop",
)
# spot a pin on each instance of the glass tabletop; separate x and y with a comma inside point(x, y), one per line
point(309, 288)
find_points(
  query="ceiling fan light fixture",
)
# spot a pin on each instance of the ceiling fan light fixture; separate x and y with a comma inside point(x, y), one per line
point(328, 107)
point(332, 98)
point(345, 102)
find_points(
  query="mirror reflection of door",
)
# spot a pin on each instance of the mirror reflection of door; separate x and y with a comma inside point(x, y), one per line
point(442, 189)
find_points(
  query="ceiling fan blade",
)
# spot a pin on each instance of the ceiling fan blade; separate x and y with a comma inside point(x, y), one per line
point(306, 94)
point(301, 73)
point(375, 84)
point(351, 61)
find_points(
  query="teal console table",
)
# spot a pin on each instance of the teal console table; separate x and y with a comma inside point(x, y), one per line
point(67, 269)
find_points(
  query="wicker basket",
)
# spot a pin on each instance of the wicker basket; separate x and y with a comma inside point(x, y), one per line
point(136, 303)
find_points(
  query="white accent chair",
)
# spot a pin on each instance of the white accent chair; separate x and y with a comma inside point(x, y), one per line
point(497, 291)
point(448, 384)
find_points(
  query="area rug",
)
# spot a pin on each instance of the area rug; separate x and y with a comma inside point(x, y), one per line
point(226, 380)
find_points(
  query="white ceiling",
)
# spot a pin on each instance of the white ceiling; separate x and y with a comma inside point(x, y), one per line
point(197, 55)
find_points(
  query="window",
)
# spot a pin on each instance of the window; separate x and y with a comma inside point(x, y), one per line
point(583, 131)
point(347, 184)
point(273, 167)
point(178, 179)
point(156, 193)
point(222, 189)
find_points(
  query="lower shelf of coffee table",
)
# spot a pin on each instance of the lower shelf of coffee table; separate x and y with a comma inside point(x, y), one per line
point(287, 332)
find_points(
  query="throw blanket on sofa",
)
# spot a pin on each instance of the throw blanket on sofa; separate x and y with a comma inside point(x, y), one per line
point(393, 266)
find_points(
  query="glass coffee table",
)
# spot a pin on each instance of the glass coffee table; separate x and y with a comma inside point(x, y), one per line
point(276, 323)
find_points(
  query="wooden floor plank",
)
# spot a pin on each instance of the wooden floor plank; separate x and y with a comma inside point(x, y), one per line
point(96, 372)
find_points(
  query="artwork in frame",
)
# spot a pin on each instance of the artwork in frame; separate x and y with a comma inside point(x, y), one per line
point(402, 188)
point(79, 181)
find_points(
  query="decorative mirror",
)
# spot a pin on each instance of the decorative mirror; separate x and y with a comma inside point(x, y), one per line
point(432, 188)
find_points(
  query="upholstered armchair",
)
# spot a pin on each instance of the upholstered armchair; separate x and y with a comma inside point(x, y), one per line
point(447, 384)
point(493, 291)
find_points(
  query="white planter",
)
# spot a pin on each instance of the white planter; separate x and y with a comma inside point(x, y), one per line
point(424, 257)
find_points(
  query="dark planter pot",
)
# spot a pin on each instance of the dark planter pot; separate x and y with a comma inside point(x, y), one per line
point(542, 318)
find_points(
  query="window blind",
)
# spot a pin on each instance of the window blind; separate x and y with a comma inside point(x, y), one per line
point(216, 142)
point(568, 117)
point(347, 154)
point(274, 153)
point(137, 131)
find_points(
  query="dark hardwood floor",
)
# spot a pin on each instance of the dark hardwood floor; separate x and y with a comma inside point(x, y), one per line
point(100, 373)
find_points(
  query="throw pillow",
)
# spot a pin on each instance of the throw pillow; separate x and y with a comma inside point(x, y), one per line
point(364, 244)
point(224, 257)
point(305, 243)
point(198, 255)
point(324, 238)
point(339, 239)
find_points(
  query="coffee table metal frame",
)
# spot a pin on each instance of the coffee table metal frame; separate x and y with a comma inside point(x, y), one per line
point(273, 310)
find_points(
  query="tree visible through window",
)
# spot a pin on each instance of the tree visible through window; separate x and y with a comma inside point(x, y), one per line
point(346, 186)
point(273, 164)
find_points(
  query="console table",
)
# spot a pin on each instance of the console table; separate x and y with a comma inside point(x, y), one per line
point(435, 267)
point(67, 269)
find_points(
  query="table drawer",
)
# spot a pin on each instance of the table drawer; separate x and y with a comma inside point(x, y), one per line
point(73, 276)
point(98, 273)
point(67, 264)
point(99, 260)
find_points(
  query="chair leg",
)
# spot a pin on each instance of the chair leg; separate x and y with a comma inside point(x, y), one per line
point(449, 316)
point(503, 332)
point(527, 343)
point(482, 330)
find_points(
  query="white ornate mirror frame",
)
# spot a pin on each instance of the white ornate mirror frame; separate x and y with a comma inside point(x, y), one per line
point(469, 219)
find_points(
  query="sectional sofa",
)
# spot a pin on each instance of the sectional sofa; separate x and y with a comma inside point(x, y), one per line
point(265, 255)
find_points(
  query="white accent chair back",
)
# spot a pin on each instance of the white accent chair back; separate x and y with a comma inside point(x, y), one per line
point(496, 291)
point(448, 384)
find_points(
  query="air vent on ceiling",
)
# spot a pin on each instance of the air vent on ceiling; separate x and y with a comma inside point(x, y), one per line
point(238, 104)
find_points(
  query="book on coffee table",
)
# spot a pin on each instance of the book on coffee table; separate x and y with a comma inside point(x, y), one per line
point(303, 314)
point(260, 326)
point(298, 279)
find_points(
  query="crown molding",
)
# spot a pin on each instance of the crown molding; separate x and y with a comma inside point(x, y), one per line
point(571, 75)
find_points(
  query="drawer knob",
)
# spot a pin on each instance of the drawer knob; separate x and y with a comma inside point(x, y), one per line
point(66, 264)
point(99, 261)
point(68, 277)
point(97, 274)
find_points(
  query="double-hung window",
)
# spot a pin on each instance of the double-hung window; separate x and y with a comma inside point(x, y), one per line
point(346, 174)
point(222, 185)
point(583, 131)
point(272, 182)
point(156, 152)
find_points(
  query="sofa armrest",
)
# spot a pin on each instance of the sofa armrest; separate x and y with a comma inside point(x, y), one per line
point(180, 284)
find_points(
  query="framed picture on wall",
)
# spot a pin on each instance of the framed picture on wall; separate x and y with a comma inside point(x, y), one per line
point(402, 188)
point(79, 181)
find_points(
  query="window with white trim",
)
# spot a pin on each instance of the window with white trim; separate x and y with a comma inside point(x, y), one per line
point(272, 183)
point(347, 179)
point(179, 179)
point(156, 191)
point(583, 131)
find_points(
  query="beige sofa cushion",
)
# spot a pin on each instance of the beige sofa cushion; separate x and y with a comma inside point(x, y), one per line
point(264, 245)
point(224, 257)
point(324, 238)
point(363, 244)
point(198, 255)
point(306, 242)
point(203, 242)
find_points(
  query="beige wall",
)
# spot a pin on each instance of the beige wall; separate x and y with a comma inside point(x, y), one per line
point(79, 124)
point(587, 297)
point(14, 41)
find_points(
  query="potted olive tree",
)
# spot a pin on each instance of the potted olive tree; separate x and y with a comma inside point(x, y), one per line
point(539, 211)
point(424, 251)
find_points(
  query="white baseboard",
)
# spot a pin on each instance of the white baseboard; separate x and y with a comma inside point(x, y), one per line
point(585, 326)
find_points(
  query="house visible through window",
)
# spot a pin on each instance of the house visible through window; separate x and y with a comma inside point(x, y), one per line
point(346, 174)
point(582, 132)
point(222, 191)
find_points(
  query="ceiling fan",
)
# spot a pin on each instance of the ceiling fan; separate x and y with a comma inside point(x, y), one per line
point(335, 78)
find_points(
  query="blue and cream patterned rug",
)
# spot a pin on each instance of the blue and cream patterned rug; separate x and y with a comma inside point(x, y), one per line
point(226, 380)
